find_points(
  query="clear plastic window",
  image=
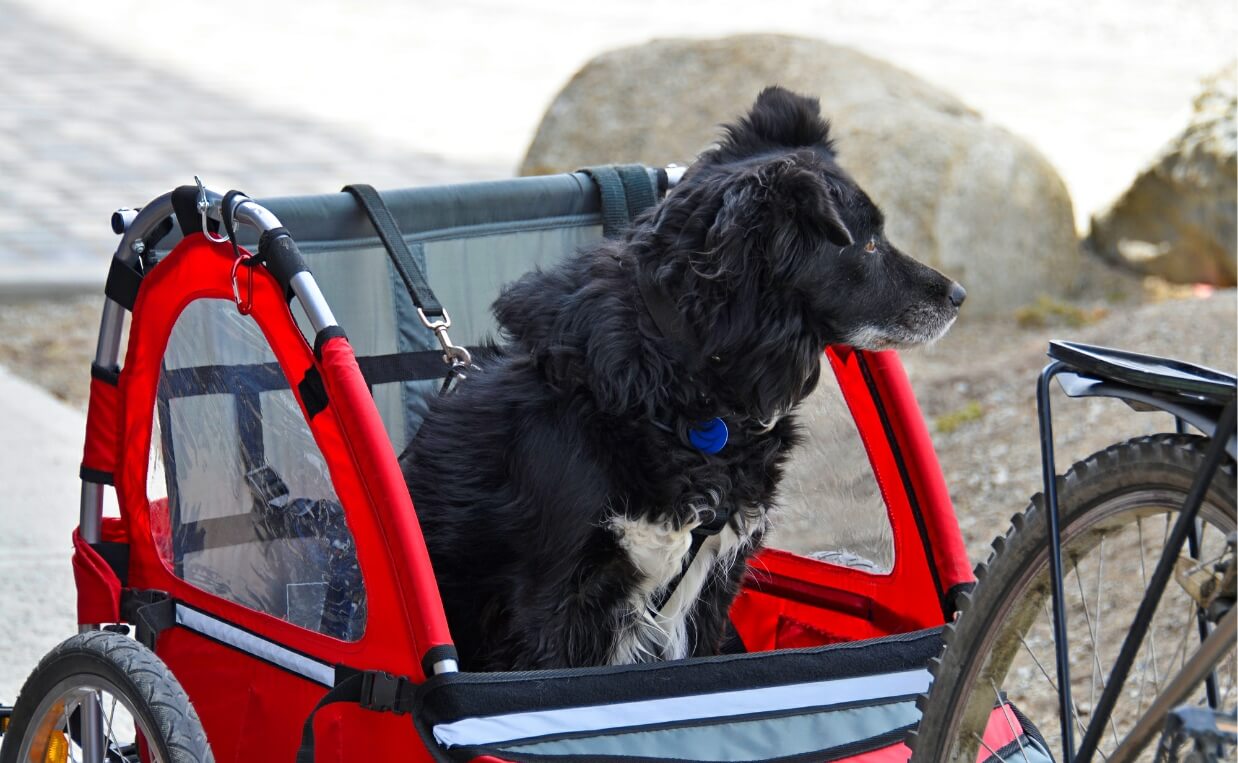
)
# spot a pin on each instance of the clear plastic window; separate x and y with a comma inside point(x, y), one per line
point(242, 504)
point(831, 504)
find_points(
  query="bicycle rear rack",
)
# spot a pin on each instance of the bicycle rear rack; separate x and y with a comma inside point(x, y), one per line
point(1199, 396)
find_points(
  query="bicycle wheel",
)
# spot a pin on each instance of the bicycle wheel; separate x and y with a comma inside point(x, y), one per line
point(145, 714)
point(1116, 509)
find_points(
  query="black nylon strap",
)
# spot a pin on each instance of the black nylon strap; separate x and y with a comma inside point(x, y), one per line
point(96, 476)
point(322, 337)
point(637, 188)
point(615, 212)
point(229, 219)
point(698, 540)
point(278, 251)
point(626, 191)
point(421, 365)
point(185, 207)
point(123, 282)
point(151, 611)
point(110, 376)
point(381, 692)
point(389, 233)
point(313, 392)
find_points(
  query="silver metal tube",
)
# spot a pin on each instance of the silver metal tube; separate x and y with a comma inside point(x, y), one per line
point(91, 720)
point(107, 349)
point(674, 173)
point(315, 305)
point(112, 323)
point(90, 520)
point(445, 666)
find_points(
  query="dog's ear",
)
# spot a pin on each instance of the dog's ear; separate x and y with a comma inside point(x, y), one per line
point(786, 196)
point(778, 118)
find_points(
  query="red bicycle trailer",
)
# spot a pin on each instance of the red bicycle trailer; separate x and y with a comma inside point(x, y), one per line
point(268, 552)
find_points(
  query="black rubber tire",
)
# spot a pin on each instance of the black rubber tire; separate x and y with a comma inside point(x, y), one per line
point(1164, 461)
point(144, 682)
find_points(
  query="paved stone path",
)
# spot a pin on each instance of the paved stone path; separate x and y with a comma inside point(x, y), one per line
point(84, 130)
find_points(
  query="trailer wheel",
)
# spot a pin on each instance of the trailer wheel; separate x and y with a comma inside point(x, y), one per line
point(139, 709)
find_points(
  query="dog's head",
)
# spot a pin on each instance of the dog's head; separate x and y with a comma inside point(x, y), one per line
point(771, 251)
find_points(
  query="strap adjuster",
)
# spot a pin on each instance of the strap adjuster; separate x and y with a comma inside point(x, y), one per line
point(384, 692)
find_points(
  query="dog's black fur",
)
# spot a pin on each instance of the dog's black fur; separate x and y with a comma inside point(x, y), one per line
point(769, 251)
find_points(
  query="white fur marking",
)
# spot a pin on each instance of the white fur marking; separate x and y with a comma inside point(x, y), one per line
point(658, 551)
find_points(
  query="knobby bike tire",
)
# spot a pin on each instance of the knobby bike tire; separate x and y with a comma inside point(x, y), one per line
point(1157, 464)
point(143, 683)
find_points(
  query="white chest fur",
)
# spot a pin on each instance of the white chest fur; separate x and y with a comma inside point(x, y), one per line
point(658, 552)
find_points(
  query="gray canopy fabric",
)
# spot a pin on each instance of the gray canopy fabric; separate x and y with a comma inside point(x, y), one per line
point(470, 239)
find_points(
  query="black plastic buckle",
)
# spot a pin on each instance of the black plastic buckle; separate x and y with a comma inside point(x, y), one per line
point(384, 692)
point(151, 611)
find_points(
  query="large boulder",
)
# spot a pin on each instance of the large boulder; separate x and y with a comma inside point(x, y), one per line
point(1178, 219)
point(959, 193)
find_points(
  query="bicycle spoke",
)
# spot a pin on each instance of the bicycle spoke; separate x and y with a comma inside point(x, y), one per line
point(1045, 673)
point(1096, 666)
point(64, 714)
point(1143, 571)
point(1006, 716)
point(107, 740)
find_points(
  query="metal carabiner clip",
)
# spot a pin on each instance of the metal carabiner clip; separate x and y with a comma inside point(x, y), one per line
point(244, 307)
point(204, 205)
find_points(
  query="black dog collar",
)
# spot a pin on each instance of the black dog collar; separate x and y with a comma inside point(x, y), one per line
point(669, 321)
point(709, 436)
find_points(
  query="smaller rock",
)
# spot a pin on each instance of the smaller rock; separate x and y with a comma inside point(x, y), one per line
point(1179, 220)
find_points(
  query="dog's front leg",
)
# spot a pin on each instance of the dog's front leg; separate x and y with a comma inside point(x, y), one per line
point(710, 616)
point(571, 624)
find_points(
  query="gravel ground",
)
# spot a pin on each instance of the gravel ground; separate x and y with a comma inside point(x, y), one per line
point(976, 388)
point(984, 378)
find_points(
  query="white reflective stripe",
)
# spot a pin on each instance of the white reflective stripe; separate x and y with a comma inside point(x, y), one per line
point(258, 647)
point(503, 728)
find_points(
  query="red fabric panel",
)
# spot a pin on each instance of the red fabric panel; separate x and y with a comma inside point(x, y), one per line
point(196, 269)
point(345, 733)
point(112, 530)
point(929, 484)
point(102, 427)
point(895, 753)
point(385, 485)
point(251, 711)
point(1001, 730)
point(98, 588)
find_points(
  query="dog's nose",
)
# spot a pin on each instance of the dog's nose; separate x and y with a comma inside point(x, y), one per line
point(957, 294)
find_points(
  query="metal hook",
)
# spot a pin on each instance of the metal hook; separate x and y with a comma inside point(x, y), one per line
point(454, 356)
point(203, 206)
point(246, 306)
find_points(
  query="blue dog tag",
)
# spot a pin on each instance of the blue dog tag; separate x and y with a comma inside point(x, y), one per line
point(709, 437)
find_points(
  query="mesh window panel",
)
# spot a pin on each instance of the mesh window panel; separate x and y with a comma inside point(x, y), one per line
point(242, 504)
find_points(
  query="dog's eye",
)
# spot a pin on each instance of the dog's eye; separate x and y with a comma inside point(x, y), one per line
point(871, 246)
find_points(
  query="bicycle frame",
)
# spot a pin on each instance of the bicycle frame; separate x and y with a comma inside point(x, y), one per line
point(1214, 415)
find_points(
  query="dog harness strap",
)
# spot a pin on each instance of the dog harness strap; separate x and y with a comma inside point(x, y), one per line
point(393, 241)
point(699, 536)
point(670, 322)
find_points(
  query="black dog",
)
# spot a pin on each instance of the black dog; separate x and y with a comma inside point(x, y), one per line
point(559, 490)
